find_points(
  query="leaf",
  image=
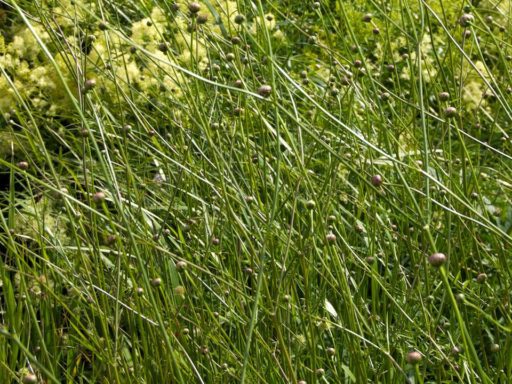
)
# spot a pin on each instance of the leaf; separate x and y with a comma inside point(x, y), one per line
point(348, 372)
point(329, 308)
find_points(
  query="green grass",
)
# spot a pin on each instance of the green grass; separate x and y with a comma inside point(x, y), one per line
point(165, 219)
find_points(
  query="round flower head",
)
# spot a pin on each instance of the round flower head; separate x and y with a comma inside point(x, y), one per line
point(376, 180)
point(265, 90)
point(437, 259)
point(239, 19)
point(466, 19)
point(89, 84)
point(194, 7)
point(98, 197)
point(413, 357)
point(23, 165)
point(450, 112)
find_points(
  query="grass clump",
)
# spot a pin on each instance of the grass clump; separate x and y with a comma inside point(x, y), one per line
point(217, 192)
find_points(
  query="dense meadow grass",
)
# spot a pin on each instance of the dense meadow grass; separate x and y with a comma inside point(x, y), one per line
point(255, 192)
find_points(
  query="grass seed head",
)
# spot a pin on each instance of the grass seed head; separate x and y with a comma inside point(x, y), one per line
point(265, 90)
point(181, 265)
point(23, 165)
point(163, 47)
point(466, 20)
point(450, 112)
point(239, 19)
point(29, 379)
point(98, 197)
point(202, 19)
point(444, 96)
point(437, 259)
point(413, 357)
point(331, 238)
point(481, 278)
point(376, 180)
point(89, 84)
point(156, 282)
point(194, 7)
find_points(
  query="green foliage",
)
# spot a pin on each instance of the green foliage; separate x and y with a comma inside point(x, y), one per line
point(167, 218)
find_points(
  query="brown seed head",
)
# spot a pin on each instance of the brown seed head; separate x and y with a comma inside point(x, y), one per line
point(450, 111)
point(331, 238)
point(98, 197)
point(466, 19)
point(29, 379)
point(239, 19)
point(194, 7)
point(89, 84)
point(413, 357)
point(376, 180)
point(181, 265)
point(444, 96)
point(202, 19)
point(265, 90)
point(437, 259)
point(23, 165)
point(481, 278)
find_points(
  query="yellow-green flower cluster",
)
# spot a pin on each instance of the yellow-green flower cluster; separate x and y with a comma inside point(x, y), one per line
point(34, 214)
point(473, 86)
point(133, 63)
